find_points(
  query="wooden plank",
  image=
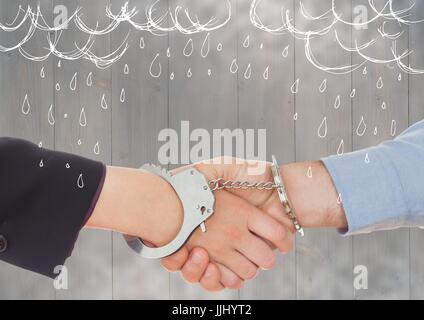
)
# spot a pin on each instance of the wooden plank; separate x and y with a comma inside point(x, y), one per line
point(136, 125)
point(208, 102)
point(265, 102)
point(90, 267)
point(20, 77)
point(385, 254)
point(416, 113)
point(324, 259)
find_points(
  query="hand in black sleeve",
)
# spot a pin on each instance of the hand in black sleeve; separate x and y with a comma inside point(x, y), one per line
point(45, 199)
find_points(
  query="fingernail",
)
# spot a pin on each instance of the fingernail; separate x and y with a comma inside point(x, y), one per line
point(196, 258)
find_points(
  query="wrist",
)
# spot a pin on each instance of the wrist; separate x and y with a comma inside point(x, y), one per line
point(138, 203)
point(313, 195)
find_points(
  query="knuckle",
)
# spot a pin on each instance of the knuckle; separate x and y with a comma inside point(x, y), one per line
point(233, 233)
point(269, 261)
point(170, 264)
point(279, 232)
point(234, 283)
point(191, 274)
point(190, 277)
point(250, 273)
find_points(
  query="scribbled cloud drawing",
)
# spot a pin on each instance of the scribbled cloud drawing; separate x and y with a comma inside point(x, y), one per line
point(155, 24)
point(333, 19)
point(181, 20)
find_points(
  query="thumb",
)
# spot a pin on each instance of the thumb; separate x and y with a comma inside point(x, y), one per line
point(176, 261)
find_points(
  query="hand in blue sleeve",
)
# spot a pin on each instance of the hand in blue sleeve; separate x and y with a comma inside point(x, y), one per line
point(382, 187)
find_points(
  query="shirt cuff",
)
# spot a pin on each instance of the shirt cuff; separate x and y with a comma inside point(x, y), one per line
point(370, 190)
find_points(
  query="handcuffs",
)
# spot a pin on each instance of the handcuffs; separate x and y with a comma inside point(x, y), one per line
point(198, 200)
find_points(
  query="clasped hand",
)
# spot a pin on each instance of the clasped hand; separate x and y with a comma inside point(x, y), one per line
point(242, 235)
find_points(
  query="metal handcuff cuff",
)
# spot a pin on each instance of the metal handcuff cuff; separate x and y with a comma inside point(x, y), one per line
point(198, 200)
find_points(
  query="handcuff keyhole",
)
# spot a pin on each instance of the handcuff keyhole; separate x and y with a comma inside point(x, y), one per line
point(202, 209)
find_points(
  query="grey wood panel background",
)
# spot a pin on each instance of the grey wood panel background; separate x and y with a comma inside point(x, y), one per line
point(126, 133)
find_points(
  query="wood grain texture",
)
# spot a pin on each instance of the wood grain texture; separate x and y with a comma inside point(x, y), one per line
point(324, 259)
point(18, 78)
point(135, 126)
point(385, 254)
point(89, 268)
point(265, 102)
point(416, 113)
point(206, 101)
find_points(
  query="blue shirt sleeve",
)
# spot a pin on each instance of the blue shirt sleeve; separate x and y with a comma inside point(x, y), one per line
point(382, 187)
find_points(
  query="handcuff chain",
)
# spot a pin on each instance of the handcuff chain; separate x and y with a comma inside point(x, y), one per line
point(219, 184)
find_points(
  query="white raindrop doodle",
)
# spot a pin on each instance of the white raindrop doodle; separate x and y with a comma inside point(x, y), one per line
point(67, 165)
point(142, 43)
point(323, 86)
point(362, 127)
point(103, 102)
point(126, 69)
point(339, 199)
point(295, 116)
point(375, 131)
point(83, 118)
point(248, 72)
point(96, 148)
point(295, 87)
point(266, 73)
point(337, 102)
point(209, 72)
point(79, 142)
point(122, 95)
point(41, 164)
point(246, 41)
point(367, 158)
point(73, 83)
point(168, 53)
point(340, 148)
point(89, 81)
point(400, 77)
point(309, 172)
point(50, 116)
point(80, 181)
point(40, 144)
point(365, 71)
point(383, 106)
point(26, 107)
point(57, 86)
point(219, 47)
point(172, 76)
point(206, 46)
point(285, 52)
point(323, 128)
point(393, 128)
point(188, 48)
point(158, 67)
point(353, 93)
point(59, 64)
point(42, 74)
point(379, 83)
point(234, 66)
point(189, 73)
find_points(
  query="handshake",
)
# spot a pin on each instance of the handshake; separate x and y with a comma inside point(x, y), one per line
point(247, 226)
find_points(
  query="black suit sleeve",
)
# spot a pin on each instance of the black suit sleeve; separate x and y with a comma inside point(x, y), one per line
point(45, 199)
